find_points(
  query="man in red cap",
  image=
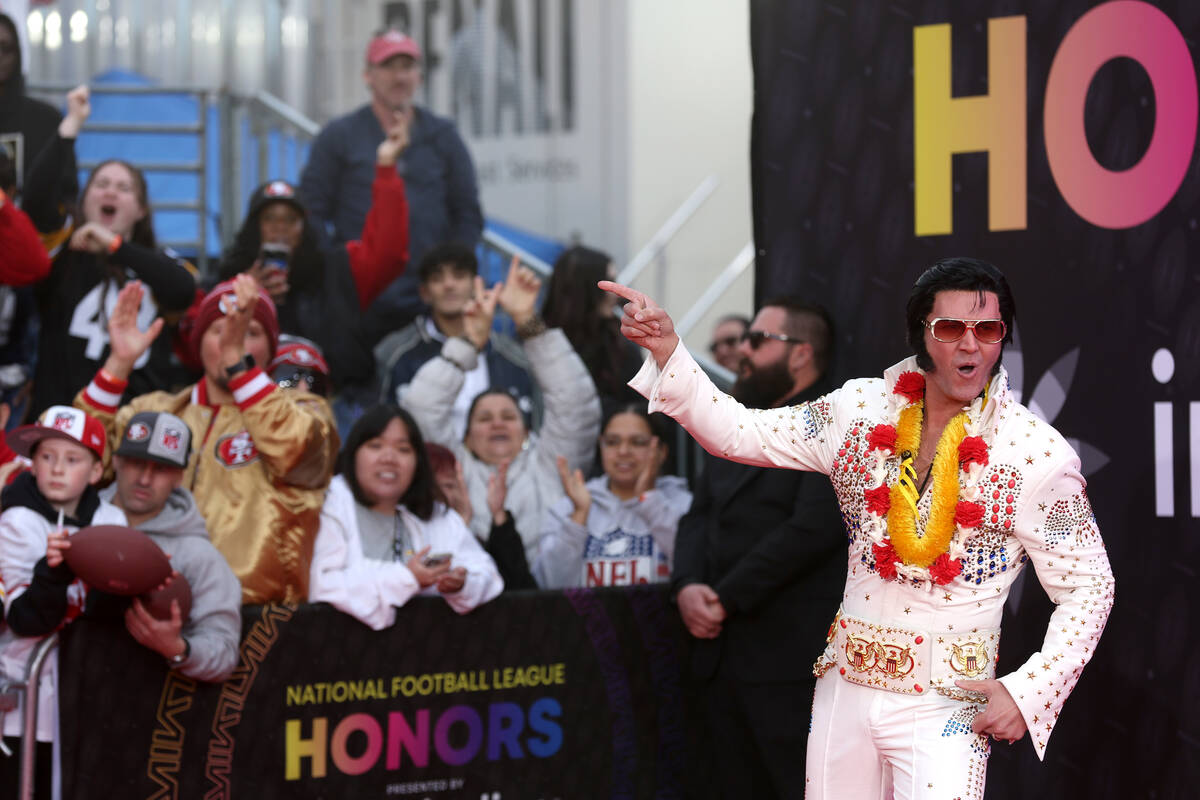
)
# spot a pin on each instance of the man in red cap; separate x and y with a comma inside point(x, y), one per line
point(264, 456)
point(439, 176)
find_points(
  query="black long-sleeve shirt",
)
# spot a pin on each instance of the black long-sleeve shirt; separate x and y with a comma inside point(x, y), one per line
point(75, 301)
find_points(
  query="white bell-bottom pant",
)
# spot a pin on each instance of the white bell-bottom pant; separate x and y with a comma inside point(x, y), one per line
point(871, 744)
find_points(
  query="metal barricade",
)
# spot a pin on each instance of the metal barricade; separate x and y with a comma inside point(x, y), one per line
point(10, 698)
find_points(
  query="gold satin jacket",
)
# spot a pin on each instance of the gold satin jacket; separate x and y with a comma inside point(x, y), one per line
point(259, 471)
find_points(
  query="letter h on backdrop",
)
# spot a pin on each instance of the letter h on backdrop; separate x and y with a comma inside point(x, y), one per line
point(995, 123)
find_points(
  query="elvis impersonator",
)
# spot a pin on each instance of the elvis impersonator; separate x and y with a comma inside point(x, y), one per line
point(948, 487)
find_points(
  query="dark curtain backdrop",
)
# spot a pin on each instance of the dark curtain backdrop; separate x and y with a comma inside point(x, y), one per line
point(832, 173)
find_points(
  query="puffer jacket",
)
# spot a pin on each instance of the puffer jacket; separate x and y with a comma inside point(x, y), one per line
point(569, 428)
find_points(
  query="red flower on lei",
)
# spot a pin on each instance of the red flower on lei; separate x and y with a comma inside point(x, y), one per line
point(972, 449)
point(968, 514)
point(944, 569)
point(879, 500)
point(885, 560)
point(911, 385)
point(882, 437)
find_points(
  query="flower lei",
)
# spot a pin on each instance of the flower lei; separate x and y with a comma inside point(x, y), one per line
point(891, 521)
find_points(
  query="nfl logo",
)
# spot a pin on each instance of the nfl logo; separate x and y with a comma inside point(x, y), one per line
point(63, 421)
point(137, 432)
point(171, 438)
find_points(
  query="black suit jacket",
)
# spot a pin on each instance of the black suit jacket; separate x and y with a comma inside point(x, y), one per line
point(772, 544)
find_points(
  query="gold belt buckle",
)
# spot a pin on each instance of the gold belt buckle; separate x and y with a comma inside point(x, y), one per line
point(969, 659)
point(887, 658)
point(883, 657)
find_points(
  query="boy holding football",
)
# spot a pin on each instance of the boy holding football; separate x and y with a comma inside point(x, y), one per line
point(57, 495)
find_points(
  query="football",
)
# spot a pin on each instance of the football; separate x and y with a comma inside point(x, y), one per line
point(117, 559)
point(158, 602)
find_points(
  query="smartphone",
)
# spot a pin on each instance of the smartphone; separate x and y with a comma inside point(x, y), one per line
point(274, 256)
point(435, 559)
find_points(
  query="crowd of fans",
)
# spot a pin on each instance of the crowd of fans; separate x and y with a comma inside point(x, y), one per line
point(329, 416)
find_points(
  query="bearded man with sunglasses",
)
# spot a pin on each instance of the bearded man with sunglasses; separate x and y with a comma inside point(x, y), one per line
point(758, 571)
point(949, 487)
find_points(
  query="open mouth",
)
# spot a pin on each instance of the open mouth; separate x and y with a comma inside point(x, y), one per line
point(968, 370)
point(108, 210)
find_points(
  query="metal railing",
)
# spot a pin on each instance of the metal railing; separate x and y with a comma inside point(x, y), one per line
point(268, 119)
point(197, 167)
point(654, 248)
point(11, 695)
point(733, 270)
point(506, 249)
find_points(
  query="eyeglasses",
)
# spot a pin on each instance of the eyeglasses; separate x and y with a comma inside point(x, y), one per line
point(948, 329)
point(756, 338)
point(727, 341)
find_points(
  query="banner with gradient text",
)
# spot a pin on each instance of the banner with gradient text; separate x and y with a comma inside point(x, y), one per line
point(535, 695)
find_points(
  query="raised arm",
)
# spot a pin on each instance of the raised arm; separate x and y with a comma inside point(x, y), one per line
point(571, 421)
point(803, 437)
point(431, 393)
point(381, 254)
point(645, 323)
point(53, 183)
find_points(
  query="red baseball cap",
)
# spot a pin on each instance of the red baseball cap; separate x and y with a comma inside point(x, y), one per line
point(60, 422)
point(299, 353)
point(391, 43)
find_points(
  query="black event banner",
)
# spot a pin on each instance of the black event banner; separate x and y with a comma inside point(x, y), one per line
point(535, 695)
point(1056, 139)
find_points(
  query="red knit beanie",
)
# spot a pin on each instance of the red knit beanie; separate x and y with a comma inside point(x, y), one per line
point(211, 310)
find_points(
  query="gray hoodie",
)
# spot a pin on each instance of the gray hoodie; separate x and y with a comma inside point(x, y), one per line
point(214, 627)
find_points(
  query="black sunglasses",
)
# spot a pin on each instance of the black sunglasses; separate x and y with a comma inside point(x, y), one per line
point(756, 338)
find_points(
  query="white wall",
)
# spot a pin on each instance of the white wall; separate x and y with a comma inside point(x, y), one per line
point(663, 97)
point(690, 102)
